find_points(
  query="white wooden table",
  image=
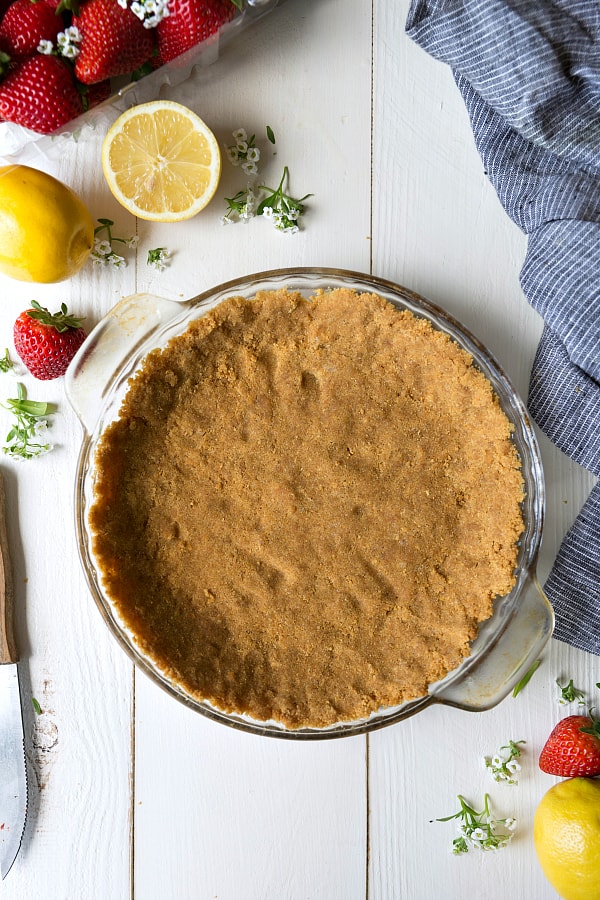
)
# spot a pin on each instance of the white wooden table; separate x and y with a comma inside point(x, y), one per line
point(132, 795)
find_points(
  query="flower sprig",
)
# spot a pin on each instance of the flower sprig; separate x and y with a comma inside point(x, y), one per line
point(149, 12)
point(480, 830)
point(158, 258)
point(504, 766)
point(241, 207)
point(102, 252)
point(283, 209)
point(27, 437)
point(67, 44)
point(6, 363)
point(244, 152)
point(568, 693)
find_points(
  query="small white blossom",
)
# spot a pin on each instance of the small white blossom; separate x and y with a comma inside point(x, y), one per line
point(243, 152)
point(102, 247)
point(150, 12)
point(46, 48)
point(72, 33)
point(68, 41)
point(159, 258)
point(503, 767)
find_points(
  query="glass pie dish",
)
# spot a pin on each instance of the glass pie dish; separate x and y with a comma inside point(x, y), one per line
point(522, 621)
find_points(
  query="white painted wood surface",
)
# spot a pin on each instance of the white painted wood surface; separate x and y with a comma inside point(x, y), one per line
point(133, 796)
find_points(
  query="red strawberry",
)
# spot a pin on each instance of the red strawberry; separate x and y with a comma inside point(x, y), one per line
point(40, 93)
point(25, 24)
point(188, 23)
point(47, 342)
point(573, 748)
point(114, 41)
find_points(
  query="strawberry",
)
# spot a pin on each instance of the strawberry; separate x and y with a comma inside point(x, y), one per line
point(40, 93)
point(25, 24)
point(188, 23)
point(114, 41)
point(47, 342)
point(573, 748)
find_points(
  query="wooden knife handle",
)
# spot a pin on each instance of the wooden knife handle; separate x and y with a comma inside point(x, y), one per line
point(8, 651)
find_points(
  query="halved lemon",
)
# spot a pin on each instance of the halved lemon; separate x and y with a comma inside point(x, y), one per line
point(161, 161)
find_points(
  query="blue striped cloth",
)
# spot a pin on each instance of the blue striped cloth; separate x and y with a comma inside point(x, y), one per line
point(529, 74)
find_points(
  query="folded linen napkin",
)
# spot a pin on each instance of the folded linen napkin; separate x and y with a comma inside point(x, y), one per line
point(529, 74)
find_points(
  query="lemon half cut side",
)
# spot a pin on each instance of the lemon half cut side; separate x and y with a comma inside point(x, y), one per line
point(161, 161)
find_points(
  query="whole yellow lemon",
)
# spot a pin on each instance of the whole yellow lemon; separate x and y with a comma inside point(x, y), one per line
point(46, 230)
point(566, 832)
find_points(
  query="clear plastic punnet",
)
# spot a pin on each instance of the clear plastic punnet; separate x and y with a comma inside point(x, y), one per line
point(22, 145)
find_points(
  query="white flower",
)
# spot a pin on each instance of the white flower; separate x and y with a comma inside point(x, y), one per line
point(513, 766)
point(70, 51)
point(268, 212)
point(478, 834)
point(511, 823)
point(233, 156)
point(250, 168)
point(45, 47)
point(253, 154)
point(225, 220)
point(118, 262)
point(67, 41)
point(132, 241)
point(158, 258)
point(102, 248)
point(72, 33)
point(240, 135)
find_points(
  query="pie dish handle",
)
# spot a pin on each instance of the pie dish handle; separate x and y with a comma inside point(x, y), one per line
point(492, 677)
point(113, 341)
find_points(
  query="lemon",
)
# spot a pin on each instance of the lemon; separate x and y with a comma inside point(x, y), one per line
point(46, 231)
point(566, 832)
point(161, 161)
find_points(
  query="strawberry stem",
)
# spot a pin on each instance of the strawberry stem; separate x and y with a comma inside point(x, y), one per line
point(61, 320)
point(594, 729)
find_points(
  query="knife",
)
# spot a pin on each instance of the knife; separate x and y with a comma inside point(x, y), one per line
point(13, 776)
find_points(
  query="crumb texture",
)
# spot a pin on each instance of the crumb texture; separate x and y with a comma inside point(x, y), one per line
point(306, 506)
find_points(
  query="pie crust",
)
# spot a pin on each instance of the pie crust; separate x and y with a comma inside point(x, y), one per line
point(305, 507)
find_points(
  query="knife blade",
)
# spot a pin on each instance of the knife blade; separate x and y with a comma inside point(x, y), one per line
point(13, 773)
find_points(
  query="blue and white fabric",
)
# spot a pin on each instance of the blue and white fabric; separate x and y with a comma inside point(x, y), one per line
point(529, 74)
